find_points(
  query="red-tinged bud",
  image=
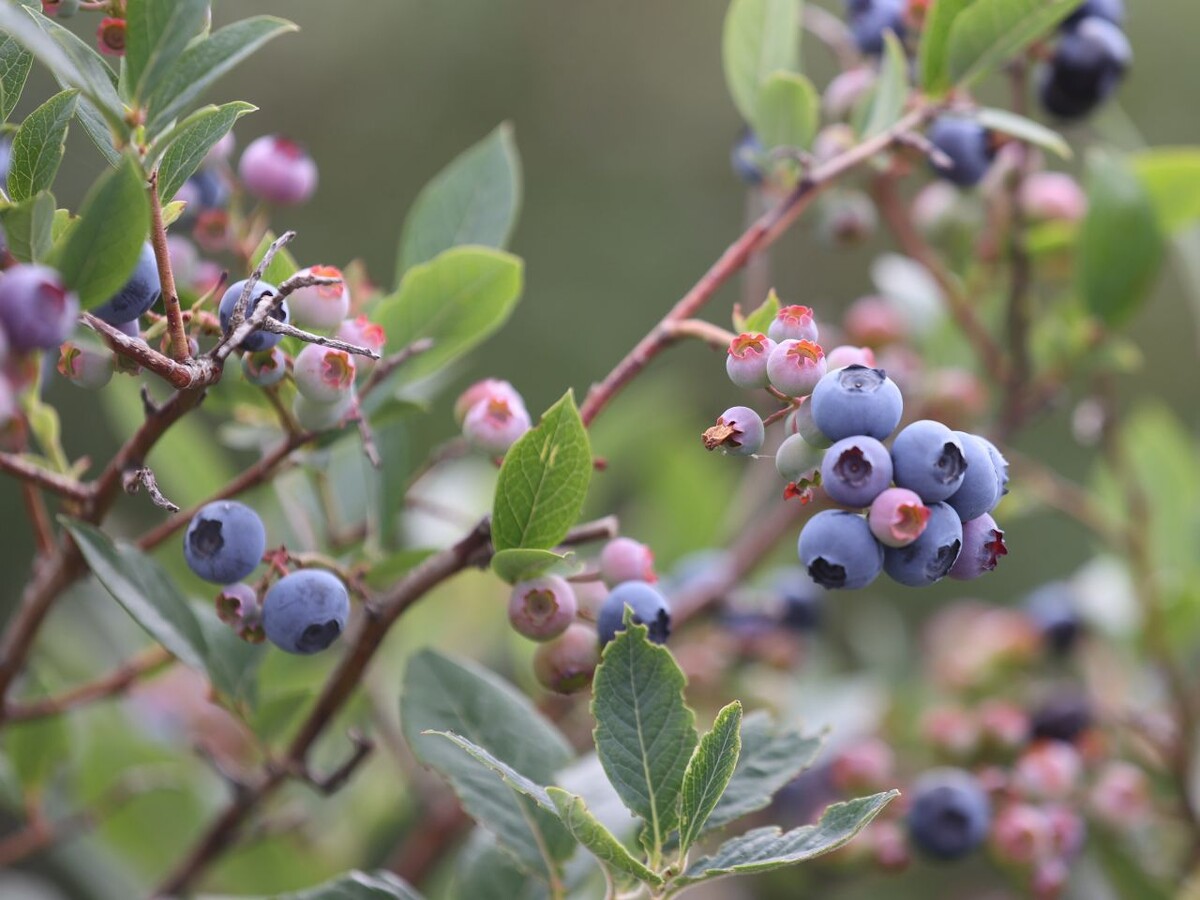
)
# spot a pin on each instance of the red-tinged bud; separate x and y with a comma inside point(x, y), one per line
point(793, 323)
point(746, 361)
point(111, 37)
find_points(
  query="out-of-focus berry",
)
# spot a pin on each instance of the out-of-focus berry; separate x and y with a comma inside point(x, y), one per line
point(486, 389)
point(495, 424)
point(1052, 196)
point(278, 170)
point(746, 158)
point(1062, 717)
point(85, 364)
point(966, 144)
point(1121, 795)
point(1021, 834)
point(874, 322)
point(624, 559)
point(1049, 770)
point(864, 767)
point(567, 663)
point(846, 90)
point(110, 36)
point(37, 312)
point(950, 813)
point(362, 332)
point(1053, 609)
point(847, 355)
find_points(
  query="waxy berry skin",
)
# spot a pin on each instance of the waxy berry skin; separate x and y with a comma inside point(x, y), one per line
point(362, 332)
point(495, 424)
point(930, 557)
point(795, 367)
point(138, 294)
point(897, 517)
point(793, 323)
point(748, 431)
point(567, 663)
point(320, 306)
point(322, 374)
point(856, 400)
point(624, 559)
point(838, 551)
point(746, 360)
point(235, 602)
point(322, 416)
point(796, 458)
point(542, 608)
point(306, 611)
point(982, 547)
point(224, 542)
point(37, 312)
point(485, 390)
point(649, 608)
point(856, 470)
point(950, 813)
point(256, 341)
point(800, 421)
point(1088, 64)
point(278, 170)
point(85, 364)
point(266, 368)
point(981, 489)
point(928, 458)
point(870, 20)
point(967, 145)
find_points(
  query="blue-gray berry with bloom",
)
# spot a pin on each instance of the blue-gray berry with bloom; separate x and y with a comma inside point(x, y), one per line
point(856, 400)
point(306, 611)
point(838, 550)
point(259, 340)
point(928, 458)
point(649, 608)
point(224, 542)
point(37, 312)
point(856, 470)
point(981, 488)
point(950, 813)
point(138, 294)
point(930, 557)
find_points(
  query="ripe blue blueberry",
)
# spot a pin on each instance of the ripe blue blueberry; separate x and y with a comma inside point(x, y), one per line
point(1061, 717)
point(224, 542)
point(306, 611)
point(258, 340)
point(140, 292)
point(649, 608)
point(1053, 608)
point(1088, 64)
point(856, 470)
point(871, 19)
point(746, 157)
point(856, 400)
point(929, 558)
point(839, 551)
point(746, 360)
point(801, 600)
point(999, 463)
point(1112, 10)
point(928, 458)
point(981, 489)
point(739, 432)
point(950, 813)
point(37, 311)
point(967, 144)
point(204, 191)
point(982, 547)
point(796, 458)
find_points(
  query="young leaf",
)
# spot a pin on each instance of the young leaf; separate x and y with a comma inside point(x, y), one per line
point(760, 37)
point(189, 142)
point(15, 63)
point(770, 757)
point(764, 849)
point(598, 840)
point(381, 885)
point(474, 200)
point(458, 299)
point(645, 733)
point(146, 592)
point(935, 41)
point(37, 149)
point(760, 320)
point(99, 253)
point(503, 770)
point(788, 111)
point(1027, 130)
point(1120, 245)
point(156, 33)
point(891, 89)
point(28, 227)
point(543, 481)
point(522, 564)
point(990, 32)
point(206, 60)
point(708, 773)
point(283, 265)
point(1171, 176)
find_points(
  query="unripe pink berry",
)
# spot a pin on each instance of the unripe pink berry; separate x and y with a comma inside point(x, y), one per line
point(1049, 879)
point(874, 321)
point(795, 366)
point(236, 602)
point(865, 766)
point(1121, 795)
point(1068, 828)
point(793, 323)
point(847, 218)
point(278, 170)
point(1022, 834)
point(493, 425)
point(1052, 196)
point(897, 517)
point(833, 140)
point(221, 150)
point(951, 731)
point(265, 368)
point(322, 416)
point(323, 374)
point(846, 355)
point(486, 389)
point(110, 36)
point(624, 559)
point(1049, 770)
point(889, 845)
point(1005, 725)
point(746, 361)
point(541, 608)
point(362, 332)
point(567, 663)
point(320, 306)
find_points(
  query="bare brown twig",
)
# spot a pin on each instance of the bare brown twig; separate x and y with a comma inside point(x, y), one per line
point(111, 684)
point(170, 296)
point(31, 473)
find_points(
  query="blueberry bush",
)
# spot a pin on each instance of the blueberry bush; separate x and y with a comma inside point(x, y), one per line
point(302, 684)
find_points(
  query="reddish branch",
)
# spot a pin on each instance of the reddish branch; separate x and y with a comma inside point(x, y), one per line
point(170, 296)
point(30, 473)
point(115, 682)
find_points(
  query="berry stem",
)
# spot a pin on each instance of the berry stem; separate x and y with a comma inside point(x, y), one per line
point(158, 239)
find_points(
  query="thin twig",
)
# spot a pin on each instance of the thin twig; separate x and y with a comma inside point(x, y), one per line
point(31, 473)
point(112, 684)
point(389, 364)
point(714, 335)
point(276, 327)
point(170, 296)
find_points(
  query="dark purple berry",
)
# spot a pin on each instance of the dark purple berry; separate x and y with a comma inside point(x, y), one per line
point(856, 470)
point(966, 144)
point(930, 557)
point(37, 311)
point(950, 813)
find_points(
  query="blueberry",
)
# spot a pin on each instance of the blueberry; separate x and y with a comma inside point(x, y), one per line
point(950, 813)
point(856, 470)
point(793, 323)
point(838, 550)
point(1112, 10)
point(856, 400)
point(649, 608)
point(981, 489)
point(871, 19)
point(1053, 608)
point(86, 364)
point(37, 311)
point(624, 559)
point(928, 458)
point(278, 170)
point(306, 611)
point(235, 602)
point(567, 663)
point(320, 306)
point(321, 416)
point(1087, 66)
point(846, 355)
point(1062, 717)
point(61, 9)
point(797, 459)
point(746, 157)
point(140, 292)
point(800, 421)
point(999, 463)
point(224, 542)
point(897, 517)
point(801, 600)
point(739, 432)
point(542, 608)
point(484, 390)
point(204, 191)
point(967, 145)
point(794, 367)
point(258, 340)
point(323, 374)
point(266, 368)
point(746, 360)
point(362, 332)
point(982, 547)
point(929, 558)
point(494, 424)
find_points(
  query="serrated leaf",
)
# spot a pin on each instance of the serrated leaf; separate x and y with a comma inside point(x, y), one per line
point(543, 481)
point(15, 63)
point(1171, 176)
point(443, 694)
point(645, 733)
point(206, 60)
point(764, 849)
point(770, 758)
point(156, 33)
point(760, 37)
point(283, 265)
point(28, 227)
point(146, 592)
point(100, 252)
point(96, 127)
point(891, 89)
point(1120, 245)
point(188, 143)
point(381, 885)
point(788, 111)
point(458, 299)
point(708, 773)
point(1027, 130)
point(522, 564)
point(474, 200)
point(935, 43)
point(598, 840)
point(988, 33)
point(503, 770)
point(760, 320)
point(38, 147)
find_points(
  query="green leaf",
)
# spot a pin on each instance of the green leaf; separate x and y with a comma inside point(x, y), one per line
point(764, 849)
point(204, 61)
point(1027, 130)
point(522, 564)
point(935, 42)
point(485, 871)
point(506, 773)
point(458, 299)
point(543, 481)
point(598, 840)
point(37, 748)
point(474, 200)
point(37, 149)
point(708, 773)
point(645, 733)
point(231, 663)
point(1120, 245)
point(15, 63)
point(891, 89)
point(156, 33)
point(381, 885)
point(770, 758)
point(1171, 175)
point(760, 37)
point(100, 252)
point(988, 33)
point(189, 142)
point(443, 694)
point(96, 127)
point(28, 227)
point(788, 111)
point(759, 320)
point(283, 265)
point(146, 592)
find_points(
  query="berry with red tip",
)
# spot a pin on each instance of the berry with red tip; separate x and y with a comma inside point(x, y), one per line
point(856, 470)
point(897, 517)
point(746, 361)
point(111, 35)
point(929, 458)
point(1022, 834)
point(846, 355)
point(793, 323)
point(982, 546)
point(362, 332)
point(797, 460)
point(541, 608)
point(648, 606)
point(320, 306)
point(966, 146)
point(856, 400)
point(950, 813)
point(265, 368)
point(37, 311)
point(1052, 196)
point(61, 9)
point(795, 366)
point(256, 341)
point(930, 557)
point(838, 550)
point(624, 559)
point(323, 374)
point(866, 766)
point(739, 431)
point(495, 424)
point(224, 542)
point(306, 611)
point(1049, 770)
point(278, 170)
point(1121, 795)
point(85, 364)
point(567, 663)
point(484, 390)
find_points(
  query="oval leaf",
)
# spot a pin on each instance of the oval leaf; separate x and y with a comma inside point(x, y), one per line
point(935, 42)
point(379, 885)
point(37, 149)
point(708, 773)
point(29, 227)
point(990, 32)
point(1172, 177)
point(760, 37)
point(788, 111)
point(189, 142)
point(522, 564)
point(891, 89)
point(1024, 129)
point(15, 63)
point(599, 841)
point(156, 33)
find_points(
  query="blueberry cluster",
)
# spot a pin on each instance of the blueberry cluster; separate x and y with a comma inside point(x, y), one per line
point(1089, 62)
point(303, 612)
